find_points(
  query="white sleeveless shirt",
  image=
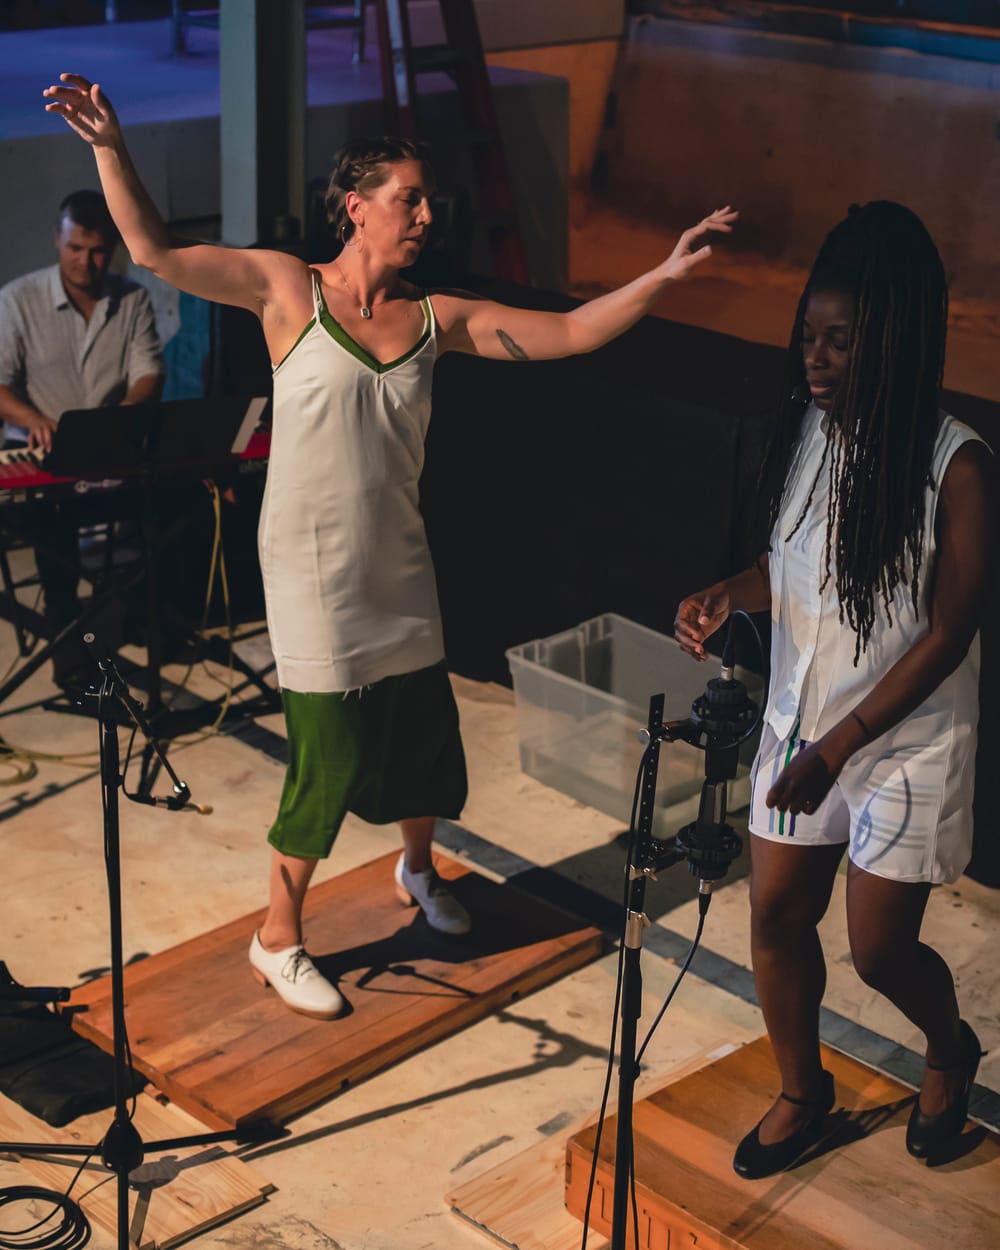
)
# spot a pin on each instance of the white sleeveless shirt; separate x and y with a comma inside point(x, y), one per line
point(349, 584)
point(814, 681)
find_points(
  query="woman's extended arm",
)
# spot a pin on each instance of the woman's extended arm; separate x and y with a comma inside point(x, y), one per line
point(499, 332)
point(228, 275)
point(966, 538)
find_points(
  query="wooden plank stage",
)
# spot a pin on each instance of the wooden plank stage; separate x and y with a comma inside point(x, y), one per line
point(858, 1189)
point(172, 1196)
point(206, 1034)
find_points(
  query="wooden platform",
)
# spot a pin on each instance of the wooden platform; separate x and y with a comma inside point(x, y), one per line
point(172, 1196)
point(203, 1031)
point(860, 1189)
point(520, 1204)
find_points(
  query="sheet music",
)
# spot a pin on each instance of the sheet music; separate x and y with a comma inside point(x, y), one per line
point(253, 413)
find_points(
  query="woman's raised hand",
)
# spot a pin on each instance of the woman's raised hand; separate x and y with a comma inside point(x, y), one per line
point(85, 108)
point(692, 248)
point(699, 616)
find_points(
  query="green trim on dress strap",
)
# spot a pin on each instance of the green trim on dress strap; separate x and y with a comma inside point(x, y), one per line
point(340, 335)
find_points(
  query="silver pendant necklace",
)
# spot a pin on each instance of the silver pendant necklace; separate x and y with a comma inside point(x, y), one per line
point(366, 311)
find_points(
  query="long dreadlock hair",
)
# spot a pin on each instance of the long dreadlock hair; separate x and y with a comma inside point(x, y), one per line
point(884, 416)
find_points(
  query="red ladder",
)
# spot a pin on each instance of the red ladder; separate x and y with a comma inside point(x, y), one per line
point(461, 57)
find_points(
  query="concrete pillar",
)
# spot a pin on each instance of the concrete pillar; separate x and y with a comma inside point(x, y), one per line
point(262, 85)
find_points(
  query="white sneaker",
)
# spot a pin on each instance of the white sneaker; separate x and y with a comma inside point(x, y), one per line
point(299, 983)
point(426, 890)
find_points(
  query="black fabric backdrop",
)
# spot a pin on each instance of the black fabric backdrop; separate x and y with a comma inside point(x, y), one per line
point(613, 482)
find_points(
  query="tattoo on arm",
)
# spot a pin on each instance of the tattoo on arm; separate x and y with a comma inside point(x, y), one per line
point(514, 350)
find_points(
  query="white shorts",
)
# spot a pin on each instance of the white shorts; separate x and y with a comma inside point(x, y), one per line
point(905, 812)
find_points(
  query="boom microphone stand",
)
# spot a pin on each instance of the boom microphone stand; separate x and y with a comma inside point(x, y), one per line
point(122, 1149)
point(721, 718)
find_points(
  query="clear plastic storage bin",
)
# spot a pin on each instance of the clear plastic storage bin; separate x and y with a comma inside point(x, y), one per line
point(583, 695)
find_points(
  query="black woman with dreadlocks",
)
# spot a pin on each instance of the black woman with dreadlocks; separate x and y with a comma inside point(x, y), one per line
point(876, 572)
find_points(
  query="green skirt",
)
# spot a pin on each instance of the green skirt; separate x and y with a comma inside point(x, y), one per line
point(387, 752)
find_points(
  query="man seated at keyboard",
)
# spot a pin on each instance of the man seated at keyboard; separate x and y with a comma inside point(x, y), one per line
point(72, 336)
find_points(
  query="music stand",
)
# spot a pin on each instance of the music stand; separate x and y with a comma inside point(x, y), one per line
point(185, 438)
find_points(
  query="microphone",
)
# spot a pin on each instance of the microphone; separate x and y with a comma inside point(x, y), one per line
point(724, 713)
point(179, 801)
point(203, 809)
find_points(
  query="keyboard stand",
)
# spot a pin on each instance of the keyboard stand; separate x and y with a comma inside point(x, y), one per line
point(147, 445)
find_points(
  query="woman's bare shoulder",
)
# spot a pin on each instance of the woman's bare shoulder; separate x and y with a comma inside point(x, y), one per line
point(451, 304)
point(283, 270)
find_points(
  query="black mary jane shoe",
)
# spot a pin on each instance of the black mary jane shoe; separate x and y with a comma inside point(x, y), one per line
point(754, 1160)
point(927, 1134)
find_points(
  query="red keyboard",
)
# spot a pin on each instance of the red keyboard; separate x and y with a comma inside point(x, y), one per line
point(21, 470)
point(259, 447)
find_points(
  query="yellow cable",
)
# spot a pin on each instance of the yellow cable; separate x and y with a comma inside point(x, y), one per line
point(206, 607)
point(219, 560)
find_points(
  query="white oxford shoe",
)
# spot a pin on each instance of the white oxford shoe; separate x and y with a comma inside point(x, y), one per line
point(299, 983)
point(427, 891)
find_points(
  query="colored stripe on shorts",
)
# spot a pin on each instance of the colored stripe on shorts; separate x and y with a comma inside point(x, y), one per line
point(779, 765)
point(795, 745)
point(776, 766)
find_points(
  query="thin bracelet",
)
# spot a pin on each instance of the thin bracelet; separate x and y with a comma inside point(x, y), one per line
point(864, 727)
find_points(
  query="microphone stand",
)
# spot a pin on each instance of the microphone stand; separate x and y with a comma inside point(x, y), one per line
point(720, 719)
point(122, 1148)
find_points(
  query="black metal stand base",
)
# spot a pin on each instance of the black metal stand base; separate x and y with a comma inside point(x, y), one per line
point(122, 1148)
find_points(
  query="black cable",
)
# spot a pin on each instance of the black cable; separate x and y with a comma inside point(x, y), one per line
point(619, 984)
point(70, 1233)
point(702, 910)
point(728, 648)
point(728, 661)
point(631, 1182)
point(128, 758)
point(73, 1230)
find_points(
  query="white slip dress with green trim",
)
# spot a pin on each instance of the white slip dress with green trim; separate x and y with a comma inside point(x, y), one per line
point(349, 583)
